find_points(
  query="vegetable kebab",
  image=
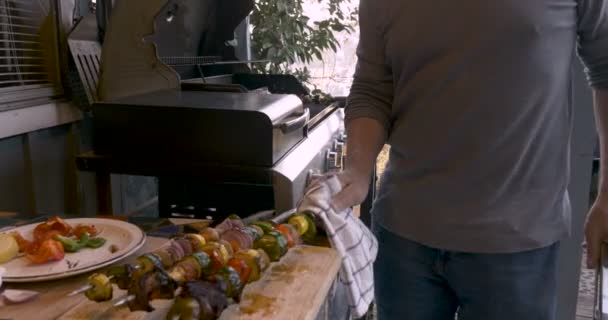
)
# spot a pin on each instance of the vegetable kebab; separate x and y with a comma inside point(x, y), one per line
point(207, 299)
point(210, 268)
point(99, 287)
point(231, 275)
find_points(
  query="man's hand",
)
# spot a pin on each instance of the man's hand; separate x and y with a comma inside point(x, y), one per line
point(366, 137)
point(355, 187)
point(596, 231)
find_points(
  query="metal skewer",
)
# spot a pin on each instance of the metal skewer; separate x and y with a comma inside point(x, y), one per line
point(89, 286)
point(84, 288)
point(123, 301)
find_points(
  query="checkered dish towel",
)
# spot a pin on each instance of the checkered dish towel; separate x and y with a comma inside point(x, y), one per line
point(350, 237)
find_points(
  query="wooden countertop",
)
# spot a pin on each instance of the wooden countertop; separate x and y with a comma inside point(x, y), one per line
point(293, 288)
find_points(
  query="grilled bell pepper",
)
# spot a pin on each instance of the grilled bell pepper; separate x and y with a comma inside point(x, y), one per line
point(231, 279)
point(234, 217)
point(251, 258)
point(227, 248)
point(101, 289)
point(263, 260)
point(150, 286)
point(203, 261)
point(217, 254)
point(184, 308)
point(148, 262)
point(254, 232)
point(210, 234)
point(299, 222)
point(305, 225)
point(241, 267)
point(196, 240)
point(266, 226)
point(191, 268)
point(274, 244)
point(281, 240)
point(198, 301)
point(121, 275)
point(290, 233)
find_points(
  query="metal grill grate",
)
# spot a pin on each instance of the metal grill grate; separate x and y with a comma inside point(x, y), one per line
point(190, 61)
point(24, 58)
point(85, 55)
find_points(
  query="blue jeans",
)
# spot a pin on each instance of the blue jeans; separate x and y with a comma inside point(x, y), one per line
point(415, 282)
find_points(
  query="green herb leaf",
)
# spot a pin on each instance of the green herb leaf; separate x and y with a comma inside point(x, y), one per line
point(69, 245)
point(96, 242)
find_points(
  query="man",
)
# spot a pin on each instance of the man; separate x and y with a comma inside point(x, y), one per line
point(474, 98)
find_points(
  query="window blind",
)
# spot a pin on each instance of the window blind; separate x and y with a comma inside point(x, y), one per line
point(28, 64)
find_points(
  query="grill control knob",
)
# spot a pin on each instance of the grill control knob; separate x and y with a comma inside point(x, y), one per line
point(340, 150)
point(312, 174)
point(332, 161)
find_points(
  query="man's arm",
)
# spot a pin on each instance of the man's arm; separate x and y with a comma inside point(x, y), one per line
point(593, 51)
point(368, 109)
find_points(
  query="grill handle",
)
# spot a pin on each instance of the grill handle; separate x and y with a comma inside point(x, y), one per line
point(295, 124)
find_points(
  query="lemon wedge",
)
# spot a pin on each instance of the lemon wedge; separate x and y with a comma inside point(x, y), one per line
point(8, 248)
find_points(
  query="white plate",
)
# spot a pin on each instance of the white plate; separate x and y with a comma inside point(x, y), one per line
point(126, 237)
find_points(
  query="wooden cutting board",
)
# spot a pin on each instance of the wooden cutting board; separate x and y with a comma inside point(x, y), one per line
point(293, 288)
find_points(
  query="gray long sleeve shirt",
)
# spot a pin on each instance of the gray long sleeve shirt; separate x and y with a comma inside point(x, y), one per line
point(476, 98)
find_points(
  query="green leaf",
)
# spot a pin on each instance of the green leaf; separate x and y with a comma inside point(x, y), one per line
point(95, 242)
point(69, 245)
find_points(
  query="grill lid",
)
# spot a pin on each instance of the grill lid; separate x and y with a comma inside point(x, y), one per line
point(249, 129)
point(141, 32)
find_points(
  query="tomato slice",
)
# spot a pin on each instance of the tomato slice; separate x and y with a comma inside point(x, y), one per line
point(55, 225)
point(49, 250)
point(24, 245)
point(81, 229)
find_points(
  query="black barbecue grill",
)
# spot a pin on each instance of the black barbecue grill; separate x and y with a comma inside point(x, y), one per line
point(178, 105)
